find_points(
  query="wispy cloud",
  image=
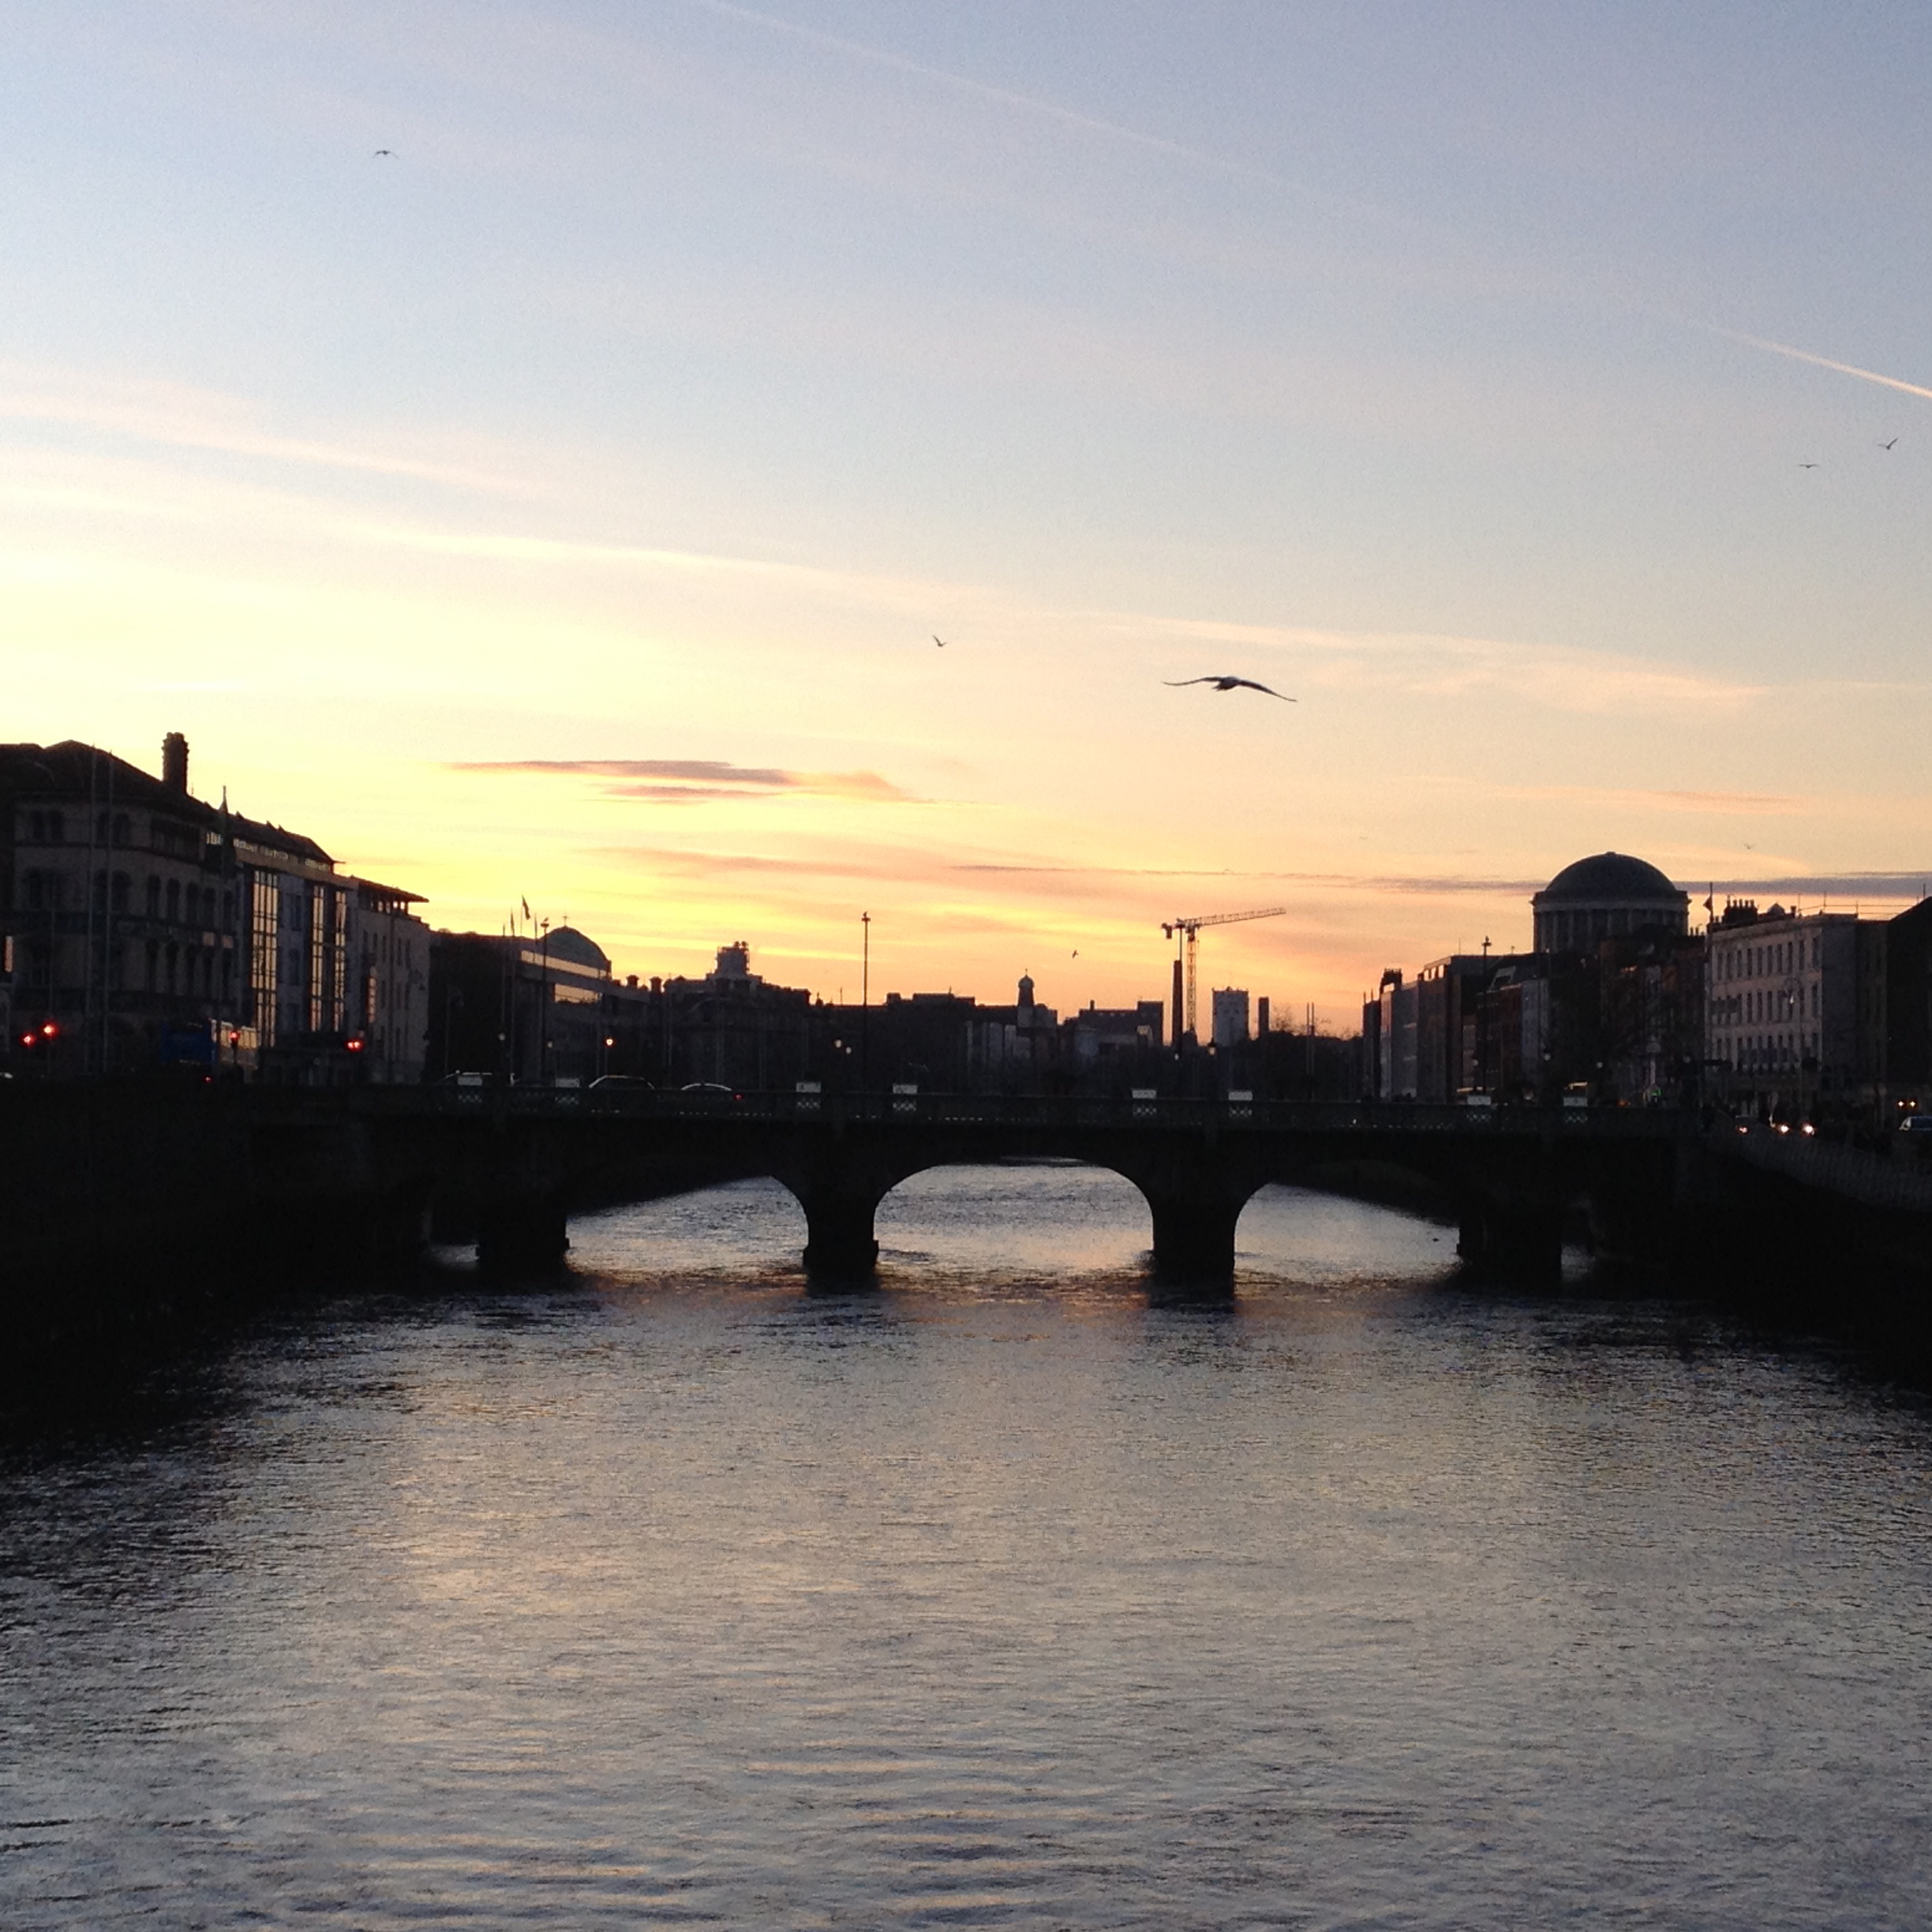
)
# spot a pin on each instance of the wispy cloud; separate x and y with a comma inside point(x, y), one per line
point(1741, 804)
point(1854, 885)
point(684, 781)
point(1433, 664)
point(180, 416)
point(1819, 361)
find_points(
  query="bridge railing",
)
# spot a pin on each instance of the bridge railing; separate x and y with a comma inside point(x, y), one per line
point(1053, 1110)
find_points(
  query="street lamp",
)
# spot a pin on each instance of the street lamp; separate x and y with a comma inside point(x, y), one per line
point(865, 996)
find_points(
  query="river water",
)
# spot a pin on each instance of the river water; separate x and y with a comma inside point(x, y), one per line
point(1008, 1594)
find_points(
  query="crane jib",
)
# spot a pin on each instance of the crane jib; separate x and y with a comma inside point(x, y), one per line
point(1190, 929)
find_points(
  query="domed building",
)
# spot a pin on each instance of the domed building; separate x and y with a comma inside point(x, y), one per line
point(1610, 897)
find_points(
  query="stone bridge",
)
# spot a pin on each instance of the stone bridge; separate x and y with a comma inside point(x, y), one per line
point(156, 1193)
point(508, 1165)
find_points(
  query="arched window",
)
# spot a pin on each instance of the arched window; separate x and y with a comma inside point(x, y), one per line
point(154, 897)
point(122, 886)
point(173, 906)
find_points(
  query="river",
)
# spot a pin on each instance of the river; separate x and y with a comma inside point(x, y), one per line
point(1009, 1594)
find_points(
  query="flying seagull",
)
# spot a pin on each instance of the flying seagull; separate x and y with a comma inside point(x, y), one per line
point(938, 640)
point(1228, 684)
point(383, 154)
point(1886, 446)
point(1807, 465)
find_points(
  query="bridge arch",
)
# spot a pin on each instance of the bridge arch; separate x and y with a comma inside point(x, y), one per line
point(1192, 1206)
point(1042, 1211)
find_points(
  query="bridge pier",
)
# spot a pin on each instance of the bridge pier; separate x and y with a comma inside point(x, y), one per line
point(1522, 1240)
point(522, 1234)
point(1194, 1239)
point(840, 1242)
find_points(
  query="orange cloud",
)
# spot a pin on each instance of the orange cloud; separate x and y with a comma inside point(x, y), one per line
point(694, 781)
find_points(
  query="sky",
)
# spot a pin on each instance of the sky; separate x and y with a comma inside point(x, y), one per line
point(561, 504)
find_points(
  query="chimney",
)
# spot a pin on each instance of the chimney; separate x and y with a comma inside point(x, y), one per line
point(174, 761)
point(1262, 1016)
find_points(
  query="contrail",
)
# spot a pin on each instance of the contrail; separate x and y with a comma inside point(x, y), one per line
point(1035, 104)
point(1819, 361)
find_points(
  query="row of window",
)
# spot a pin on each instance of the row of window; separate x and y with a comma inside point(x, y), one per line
point(181, 905)
point(110, 830)
point(1764, 1051)
point(1756, 962)
point(1762, 1003)
point(178, 970)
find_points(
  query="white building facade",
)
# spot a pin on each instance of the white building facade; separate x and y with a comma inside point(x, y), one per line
point(1795, 1002)
point(1230, 1022)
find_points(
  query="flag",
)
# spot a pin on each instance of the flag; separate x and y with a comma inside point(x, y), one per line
point(526, 911)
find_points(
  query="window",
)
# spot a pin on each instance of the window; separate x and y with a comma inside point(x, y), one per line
point(56, 829)
point(154, 897)
point(122, 886)
point(173, 902)
point(264, 946)
point(36, 891)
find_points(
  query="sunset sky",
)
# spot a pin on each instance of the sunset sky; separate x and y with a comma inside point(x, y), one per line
point(561, 505)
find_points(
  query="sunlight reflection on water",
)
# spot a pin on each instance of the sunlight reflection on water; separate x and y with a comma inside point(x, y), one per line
point(1009, 1592)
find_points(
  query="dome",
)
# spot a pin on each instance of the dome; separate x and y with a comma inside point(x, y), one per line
point(1612, 896)
point(566, 943)
point(1608, 876)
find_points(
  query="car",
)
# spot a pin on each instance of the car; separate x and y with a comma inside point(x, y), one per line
point(1916, 1124)
point(632, 1083)
point(709, 1087)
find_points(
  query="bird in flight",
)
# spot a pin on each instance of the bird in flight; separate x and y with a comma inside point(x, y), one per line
point(938, 640)
point(382, 153)
point(1807, 465)
point(1228, 684)
point(1886, 446)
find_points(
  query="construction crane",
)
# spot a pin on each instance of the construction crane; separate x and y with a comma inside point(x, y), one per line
point(1190, 929)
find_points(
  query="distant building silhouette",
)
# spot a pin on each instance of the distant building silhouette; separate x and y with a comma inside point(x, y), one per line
point(142, 928)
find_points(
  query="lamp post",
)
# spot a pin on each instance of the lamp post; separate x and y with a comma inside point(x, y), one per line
point(543, 1009)
point(865, 996)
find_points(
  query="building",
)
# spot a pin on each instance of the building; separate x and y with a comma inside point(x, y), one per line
point(1452, 1051)
point(1796, 1005)
point(1118, 1048)
point(1610, 999)
point(1909, 1006)
point(1229, 1025)
point(533, 1010)
point(1612, 896)
point(1395, 1038)
point(144, 928)
point(1015, 1049)
point(734, 1028)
